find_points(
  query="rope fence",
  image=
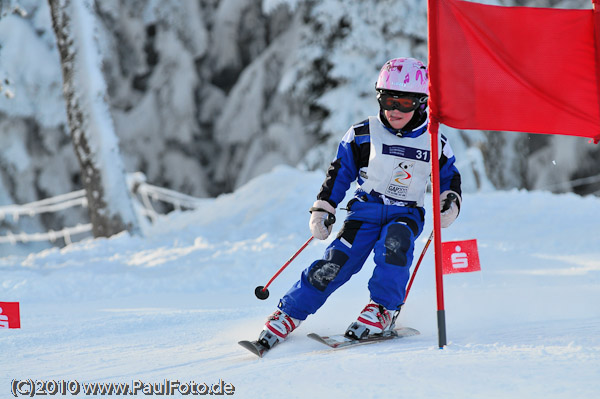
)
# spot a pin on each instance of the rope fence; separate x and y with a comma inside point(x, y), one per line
point(145, 194)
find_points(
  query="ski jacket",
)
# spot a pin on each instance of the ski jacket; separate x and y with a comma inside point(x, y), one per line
point(390, 168)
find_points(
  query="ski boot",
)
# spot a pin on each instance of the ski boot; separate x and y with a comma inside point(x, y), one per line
point(277, 328)
point(374, 319)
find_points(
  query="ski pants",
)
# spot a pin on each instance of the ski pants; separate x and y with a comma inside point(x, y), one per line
point(387, 230)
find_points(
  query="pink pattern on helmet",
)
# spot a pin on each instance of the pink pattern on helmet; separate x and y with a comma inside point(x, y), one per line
point(404, 74)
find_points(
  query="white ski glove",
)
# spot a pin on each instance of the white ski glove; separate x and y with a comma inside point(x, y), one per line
point(322, 218)
point(450, 205)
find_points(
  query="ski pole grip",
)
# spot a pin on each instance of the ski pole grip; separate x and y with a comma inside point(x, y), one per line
point(330, 216)
point(330, 220)
point(451, 197)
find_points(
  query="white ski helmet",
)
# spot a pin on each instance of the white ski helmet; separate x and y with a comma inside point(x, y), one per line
point(405, 75)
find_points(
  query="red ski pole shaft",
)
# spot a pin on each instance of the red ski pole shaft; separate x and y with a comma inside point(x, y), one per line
point(412, 278)
point(287, 263)
point(262, 292)
point(447, 204)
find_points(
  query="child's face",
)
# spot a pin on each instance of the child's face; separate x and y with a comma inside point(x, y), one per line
point(398, 119)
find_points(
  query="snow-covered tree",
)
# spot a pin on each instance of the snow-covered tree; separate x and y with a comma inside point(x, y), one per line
point(92, 132)
point(207, 94)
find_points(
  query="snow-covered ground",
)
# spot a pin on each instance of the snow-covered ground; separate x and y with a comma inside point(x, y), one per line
point(173, 305)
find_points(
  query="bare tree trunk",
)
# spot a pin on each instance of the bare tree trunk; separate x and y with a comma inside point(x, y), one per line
point(90, 123)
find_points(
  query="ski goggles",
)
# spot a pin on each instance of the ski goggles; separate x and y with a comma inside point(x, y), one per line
point(402, 103)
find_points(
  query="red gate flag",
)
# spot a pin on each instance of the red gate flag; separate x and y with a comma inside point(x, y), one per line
point(9, 315)
point(518, 69)
point(460, 257)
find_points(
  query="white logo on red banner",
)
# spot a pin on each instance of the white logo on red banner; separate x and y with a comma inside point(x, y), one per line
point(9, 315)
point(460, 257)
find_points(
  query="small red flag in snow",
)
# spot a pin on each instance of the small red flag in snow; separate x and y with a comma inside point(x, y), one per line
point(9, 315)
point(460, 257)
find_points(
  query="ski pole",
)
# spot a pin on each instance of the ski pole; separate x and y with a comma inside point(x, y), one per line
point(417, 266)
point(447, 203)
point(262, 292)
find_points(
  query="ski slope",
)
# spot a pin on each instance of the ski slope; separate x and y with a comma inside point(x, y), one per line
point(172, 306)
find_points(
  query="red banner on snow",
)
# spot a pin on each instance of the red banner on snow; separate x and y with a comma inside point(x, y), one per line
point(9, 315)
point(514, 68)
point(460, 257)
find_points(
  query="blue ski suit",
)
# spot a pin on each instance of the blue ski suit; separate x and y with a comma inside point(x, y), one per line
point(386, 214)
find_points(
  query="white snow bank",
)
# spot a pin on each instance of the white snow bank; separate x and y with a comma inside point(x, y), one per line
point(173, 305)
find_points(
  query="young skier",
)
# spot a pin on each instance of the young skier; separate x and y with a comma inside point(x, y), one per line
point(389, 155)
